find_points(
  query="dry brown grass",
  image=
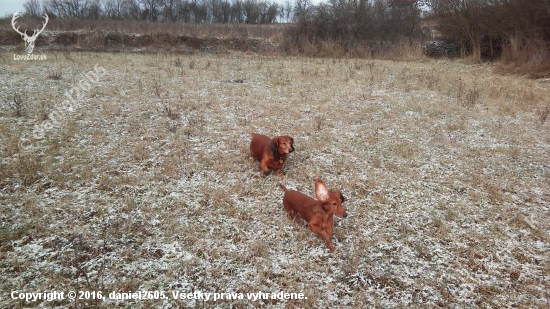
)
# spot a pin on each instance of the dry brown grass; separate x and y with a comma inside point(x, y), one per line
point(526, 57)
point(148, 184)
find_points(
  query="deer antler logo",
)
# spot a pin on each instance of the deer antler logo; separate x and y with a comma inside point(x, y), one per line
point(29, 40)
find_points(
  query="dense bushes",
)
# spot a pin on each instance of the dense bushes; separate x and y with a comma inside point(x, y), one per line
point(485, 26)
point(517, 32)
point(353, 26)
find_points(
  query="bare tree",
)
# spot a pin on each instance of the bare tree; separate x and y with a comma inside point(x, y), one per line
point(461, 19)
point(68, 8)
point(169, 11)
point(113, 9)
point(288, 11)
point(281, 13)
point(302, 9)
point(250, 11)
point(237, 11)
point(215, 11)
point(33, 8)
point(121, 9)
point(94, 10)
point(199, 10)
point(183, 11)
point(225, 11)
point(269, 13)
point(152, 9)
point(133, 9)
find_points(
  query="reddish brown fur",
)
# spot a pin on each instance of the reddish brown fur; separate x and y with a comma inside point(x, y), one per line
point(318, 213)
point(271, 152)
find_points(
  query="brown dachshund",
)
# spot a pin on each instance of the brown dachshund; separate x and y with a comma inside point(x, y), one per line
point(271, 152)
point(318, 214)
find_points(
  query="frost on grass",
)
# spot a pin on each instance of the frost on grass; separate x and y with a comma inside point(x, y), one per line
point(148, 185)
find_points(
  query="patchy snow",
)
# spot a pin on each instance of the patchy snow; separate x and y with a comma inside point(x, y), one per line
point(147, 184)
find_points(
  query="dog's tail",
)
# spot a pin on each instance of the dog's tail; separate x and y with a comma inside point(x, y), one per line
point(283, 187)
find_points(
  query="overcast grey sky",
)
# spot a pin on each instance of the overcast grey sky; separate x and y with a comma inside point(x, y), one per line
point(8, 7)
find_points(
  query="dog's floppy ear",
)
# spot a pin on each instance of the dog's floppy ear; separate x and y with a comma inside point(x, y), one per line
point(275, 145)
point(339, 194)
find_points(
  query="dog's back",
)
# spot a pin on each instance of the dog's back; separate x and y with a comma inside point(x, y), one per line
point(257, 145)
point(296, 202)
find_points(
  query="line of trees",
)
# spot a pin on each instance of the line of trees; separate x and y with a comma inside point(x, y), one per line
point(359, 20)
point(212, 11)
point(484, 27)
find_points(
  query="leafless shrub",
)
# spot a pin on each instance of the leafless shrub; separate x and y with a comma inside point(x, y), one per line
point(529, 57)
point(318, 121)
point(543, 114)
point(44, 109)
point(55, 75)
point(472, 98)
point(171, 112)
point(432, 79)
point(17, 105)
point(141, 152)
point(157, 88)
point(464, 96)
point(68, 56)
point(28, 168)
point(140, 86)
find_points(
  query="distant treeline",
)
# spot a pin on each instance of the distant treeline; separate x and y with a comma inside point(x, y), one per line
point(198, 11)
point(349, 21)
point(484, 28)
point(510, 29)
point(491, 27)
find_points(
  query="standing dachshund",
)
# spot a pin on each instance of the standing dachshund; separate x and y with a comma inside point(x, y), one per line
point(271, 152)
point(318, 213)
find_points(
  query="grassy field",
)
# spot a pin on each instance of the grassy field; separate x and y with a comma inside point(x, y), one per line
point(145, 183)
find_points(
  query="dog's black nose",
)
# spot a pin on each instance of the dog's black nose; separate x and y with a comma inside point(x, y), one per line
point(345, 215)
